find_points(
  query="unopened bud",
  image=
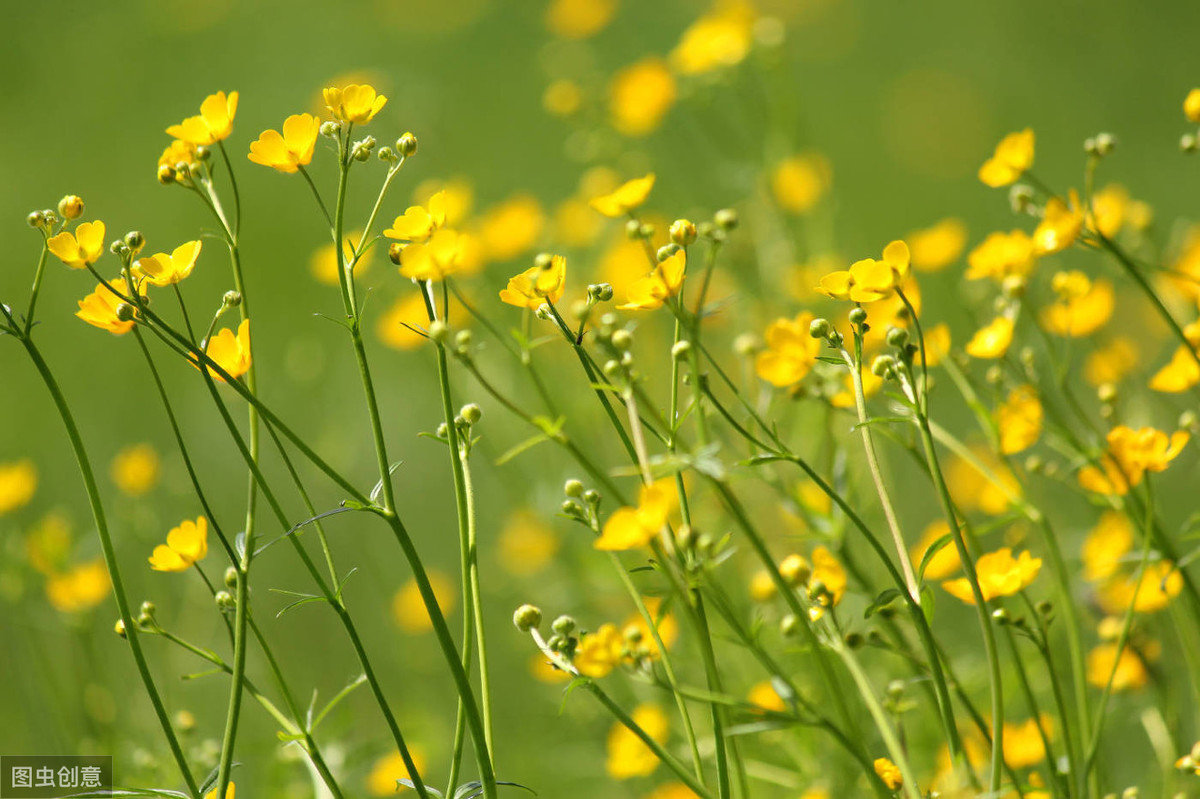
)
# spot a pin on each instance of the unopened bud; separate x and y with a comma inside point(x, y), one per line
point(622, 340)
point(726, 219)
point(897, 337)
point(680, 349)
point(439, 331)
point(795, 570)
point(166, 175)
point(666, 251)
point(573, 488)
point(819, 328)
point(683, 232)
point(858, 316)
point(527, 617)
point(563, 625)
point(406, 145)
point(71, 206)
point(119, 628)
point(331, 129)
point(231, 577)
point(471, 413)
point(231, 299)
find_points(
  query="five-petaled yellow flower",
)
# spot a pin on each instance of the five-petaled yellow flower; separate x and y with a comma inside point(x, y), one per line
point(537, 285)
point(230, 352)
point(99, 308)
point(289, 150)
point(1132, 453)
point(625, 198)
point(650, 292)
point(214, 123)
point(1002, 255)
point(992, 340)
point(442, 255)
point(999, 574)
point(161, 269)
point(790, 353)
point(418, 223)
point(186, 544)
point(80, 249)
point(937, 247)
point(630, 528)
point(1013, 157)
point(357, 103)
point(869, 280)
point(1061, 224)
point(1083, 307)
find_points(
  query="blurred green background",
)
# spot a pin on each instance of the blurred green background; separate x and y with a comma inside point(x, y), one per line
point(904, 99)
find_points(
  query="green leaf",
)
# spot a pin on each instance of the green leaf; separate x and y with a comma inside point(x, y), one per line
point(407, 783)
point(884, 599)
point(931, 553)
point(927, 603)
point(342, 694)
point(833, 359)
point(527, 444)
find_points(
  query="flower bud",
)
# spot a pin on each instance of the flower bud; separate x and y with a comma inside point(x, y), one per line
point(622, 339)
point(666, 251)
point(795, 570)
point(633, 228)
point(36, 219)
point(858, 316)
point(148, 608)
point(685, 536)
point(406, 145)
point(683, 232)
point(854, 640)
point(883, 366)
point(471, 413)
point(527, 617)
point(462, 339)
point(563, 625)
point(646, 231)
point(361, 150)
point(231, 577)
point(789, 625)
point(573, 488)
point(439, 331)
point(1105, 143)
point(203, 153)
point(897, 337)
point(119, 249)
point(1187, 142)
point(1106, 392)
point(1020, 197)
point(119, 628)
point(819, 328)
point(1001, 616)
point(612, 369)
point(126, 312)
point(680, 349)
point(135, 241)
point(591, 497)
point(71, 206)
point(386, 154)
point(231, 299)
point(726, 219)
point(603, 293)
point(331, 129)
point(225, 600)
point(166, 175)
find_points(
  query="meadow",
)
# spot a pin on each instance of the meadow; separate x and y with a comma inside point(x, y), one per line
point(590, 398)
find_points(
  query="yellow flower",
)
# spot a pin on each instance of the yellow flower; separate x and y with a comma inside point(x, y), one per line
point(869, 280)
point(290, 150)
point(762, 586)
point(80, 249)
point(720, 38)
point(1131, 453)
point(356, 103)
point(672, 790)
point(48, 545)
point(444, 254)
point(1191, 105)
point(419, 223)
point(937, 247)
point(992, 340)
point(630, 528)
point(799, 182)
point(161, 269)
point(999, 574)
point(1110, 362)
point(80, 588)
point(1023, 744)
point(971, 489)
point(408, 606)
point(178, 152)
point(324, 263)
point(640, 95)
point(230, 352)
point(1013, 157)
point(828, 571)
point(228, 793)
point(1001, 255)
point(1019, 420)
point(18, 482)
point(527, 543)
point(1130, 671)
point(545, 671)
point(1160, 583)
point(579, 19)
point(457, 198)
point(1060, 225)
point(186, 544)
point(650, 292)
point(135, 469)
point(512, 227)
point(889, 772)
point(214, 123)
point(1107, 543)
point(537, 285)
point(937, 344)
point(1182, 372)
point(628, 755)
point(946, 561)
point(764, 695)
point(790, 353)
point(625, 198)
point(1083, 306)
point(664, 623)
point(99, 309)
point(1110, 206)
point(599, 652)
point(409, 309)
point(382, 781)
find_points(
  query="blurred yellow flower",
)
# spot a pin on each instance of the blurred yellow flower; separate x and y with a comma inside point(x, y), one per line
point(457, 197)
point(937, 344)
point(1110, 206)
point(1012, 158)
point(178, 152)
point(827, 570)
point(946, 561)
point(290, 150)
point(667, 627)
point(579, 19)
point(790, 353)
point(1023, 744)
point(971, 489)
point(1131, 453)
point(389, 768)
point(992, 340)
point(672, 790)
point(527, 543)
point(1191, 105)
point(626, 197)
point(214, 123)
point(1019, 420)
point(544, 671)
point(1083, 306)
point(999, 574)
point(229, 793)
point(161, 269)
point(720, 38)
point(628, 755)
point(1000, 255)
point(442, 255)
point(408, 607)
point(80, 588)
point(1060, 226)
point(1182, 372)
point(409, 309)
point(99, 309)
point(640, 95)
point(869, 280)
point(1111, 361)
point(799, 182)
point(511, 228)
point(1107, 543)
point(418, 222)
point(934, 248)
point(356, 103)
point(80, 249)
point(135, 469)
point(186, 544)
point(18, 482)
point(324, 263)
point(762, 586)
point(1161, 582)
point(599, 652)
point(664, 282)
point(764, 695)
point(230, 352)
point(48, 544)
point(1130, 671)
point(889, 772)
point(630, 528)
